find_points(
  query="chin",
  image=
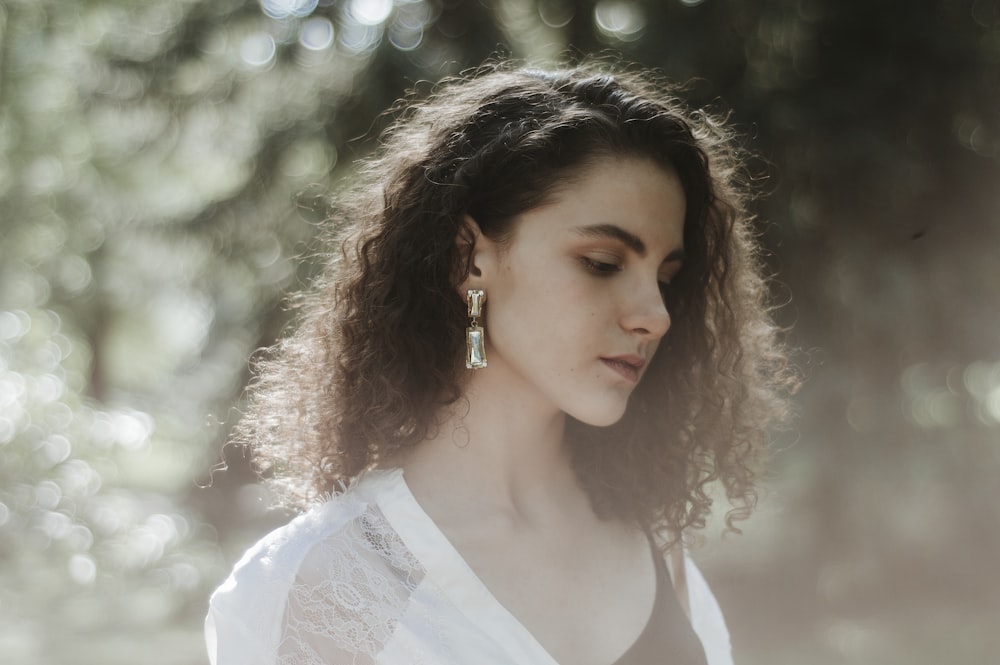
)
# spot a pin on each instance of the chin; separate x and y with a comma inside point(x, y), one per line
point(601, 417)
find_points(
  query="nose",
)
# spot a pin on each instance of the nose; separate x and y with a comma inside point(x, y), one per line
point(645, 312)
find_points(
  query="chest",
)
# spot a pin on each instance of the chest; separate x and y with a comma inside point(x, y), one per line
point(585, 599)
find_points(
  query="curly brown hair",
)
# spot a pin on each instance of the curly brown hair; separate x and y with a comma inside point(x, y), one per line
point(379, 346)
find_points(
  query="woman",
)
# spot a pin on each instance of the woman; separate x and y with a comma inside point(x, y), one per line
point(542, 338)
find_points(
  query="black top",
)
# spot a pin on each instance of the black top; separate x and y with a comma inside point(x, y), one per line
point(668, 638)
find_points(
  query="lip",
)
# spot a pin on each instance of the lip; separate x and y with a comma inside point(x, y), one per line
point(628, 366)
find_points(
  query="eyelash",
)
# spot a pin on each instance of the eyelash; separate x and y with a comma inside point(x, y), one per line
point(605, 269)
point(600, 268)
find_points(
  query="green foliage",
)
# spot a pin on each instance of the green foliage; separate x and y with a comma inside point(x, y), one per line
point(161, 167)
point(92, 539)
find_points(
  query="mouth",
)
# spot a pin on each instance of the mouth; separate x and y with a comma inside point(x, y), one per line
point(629, 367)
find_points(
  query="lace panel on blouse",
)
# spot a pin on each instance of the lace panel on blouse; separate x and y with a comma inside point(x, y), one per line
point(349, 595)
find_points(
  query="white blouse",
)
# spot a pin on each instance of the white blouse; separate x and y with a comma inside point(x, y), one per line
point(368, 579)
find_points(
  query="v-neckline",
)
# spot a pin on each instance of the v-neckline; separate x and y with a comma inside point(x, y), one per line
point(448, 570)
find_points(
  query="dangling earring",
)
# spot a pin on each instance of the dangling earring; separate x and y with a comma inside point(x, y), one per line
point(475, 347)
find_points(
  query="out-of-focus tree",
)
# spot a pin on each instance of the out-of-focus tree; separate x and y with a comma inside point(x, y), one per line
point(150, 154)
point(161, 167)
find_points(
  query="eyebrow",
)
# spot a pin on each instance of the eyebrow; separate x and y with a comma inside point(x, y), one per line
point(627, 238)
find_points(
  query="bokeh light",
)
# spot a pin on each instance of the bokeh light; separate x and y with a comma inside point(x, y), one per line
point(406, 33)
point(281, 9)
point(623, 20)
point(556, 13)
point(360, 38)
point(316, 34)
point(369, 12)
point(258, 50)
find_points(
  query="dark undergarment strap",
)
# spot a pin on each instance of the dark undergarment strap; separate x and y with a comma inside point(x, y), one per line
point(668, 638)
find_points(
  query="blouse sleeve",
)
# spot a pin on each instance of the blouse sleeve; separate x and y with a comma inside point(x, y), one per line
point(241, 621)
point(317, 592)
point(251, 616)
point(706, 617)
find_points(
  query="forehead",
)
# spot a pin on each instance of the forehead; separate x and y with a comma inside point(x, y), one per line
point(634, 193)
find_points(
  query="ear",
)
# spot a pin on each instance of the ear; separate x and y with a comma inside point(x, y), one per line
point(481, 253)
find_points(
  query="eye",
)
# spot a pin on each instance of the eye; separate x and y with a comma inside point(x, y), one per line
point(665, 279)
point(598, 267)
point(668, 289)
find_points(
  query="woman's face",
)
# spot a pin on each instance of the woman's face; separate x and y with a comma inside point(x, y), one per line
point(575, 307)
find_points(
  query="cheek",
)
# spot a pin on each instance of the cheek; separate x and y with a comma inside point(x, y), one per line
point(546, 297)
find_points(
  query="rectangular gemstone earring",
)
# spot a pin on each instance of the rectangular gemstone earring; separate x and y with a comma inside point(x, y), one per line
point(475, 342)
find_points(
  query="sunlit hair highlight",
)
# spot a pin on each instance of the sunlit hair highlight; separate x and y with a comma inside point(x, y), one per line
point(378, 350)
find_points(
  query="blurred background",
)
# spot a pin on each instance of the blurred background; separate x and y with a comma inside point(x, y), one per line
point(163, 164)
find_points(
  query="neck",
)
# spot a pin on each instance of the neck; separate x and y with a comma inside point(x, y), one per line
point(497, 450)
